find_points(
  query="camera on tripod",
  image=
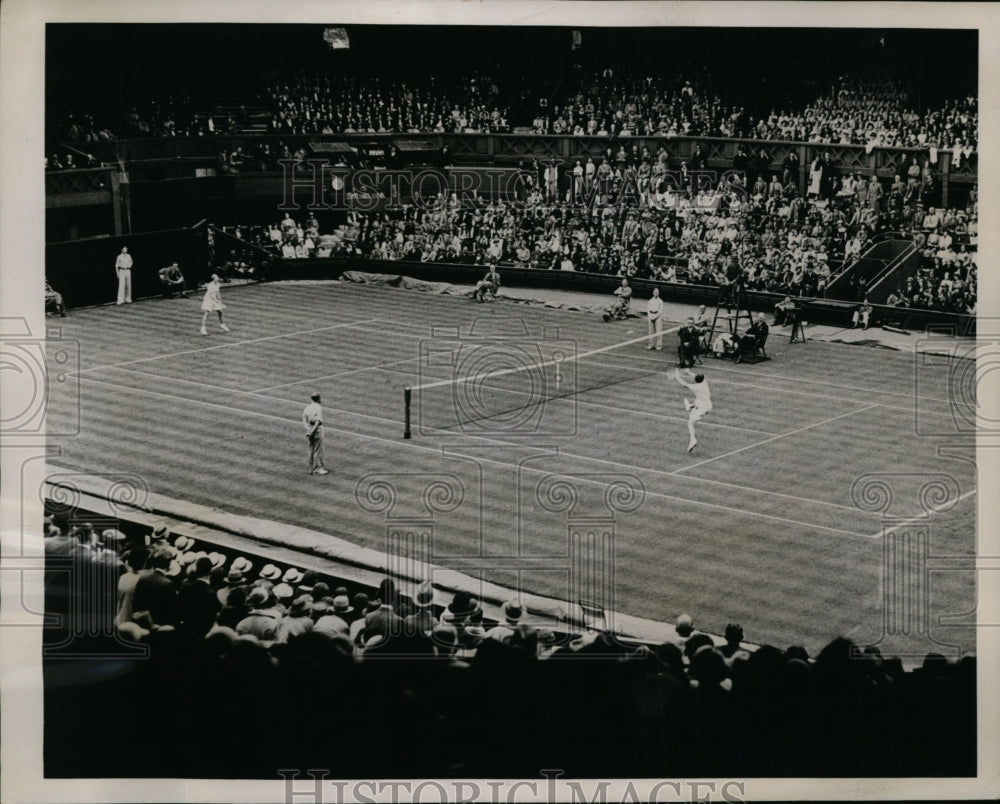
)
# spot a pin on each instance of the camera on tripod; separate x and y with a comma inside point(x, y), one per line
point(793, 316)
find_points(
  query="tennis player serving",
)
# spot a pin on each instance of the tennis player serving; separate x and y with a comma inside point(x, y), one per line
point(702, 403)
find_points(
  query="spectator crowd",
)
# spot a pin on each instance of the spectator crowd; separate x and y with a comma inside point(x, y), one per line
point(225, 665)
point(325, 104)
point(857, 109)
point(641, 222)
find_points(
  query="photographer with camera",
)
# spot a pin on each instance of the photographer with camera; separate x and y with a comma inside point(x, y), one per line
point(862, 315)
point(488, 284)
point(619, 309)
point(54, 301)
point(173, 281)
point(782, 310)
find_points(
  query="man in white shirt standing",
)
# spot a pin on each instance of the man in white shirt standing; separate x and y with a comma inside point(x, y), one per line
point(312, 420)
point(654, 314)
point(123, 268)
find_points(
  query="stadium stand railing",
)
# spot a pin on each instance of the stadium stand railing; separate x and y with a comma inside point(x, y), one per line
point(514, 148)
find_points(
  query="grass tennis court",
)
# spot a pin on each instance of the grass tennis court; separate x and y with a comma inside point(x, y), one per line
point(757, 526)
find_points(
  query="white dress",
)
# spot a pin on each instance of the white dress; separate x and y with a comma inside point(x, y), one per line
point(213, 298)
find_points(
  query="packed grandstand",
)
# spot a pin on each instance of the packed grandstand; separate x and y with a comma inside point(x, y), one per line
point(639, 209)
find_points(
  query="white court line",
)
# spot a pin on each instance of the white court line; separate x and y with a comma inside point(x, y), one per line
point(437, 451)
point(823, 382)
point(228, 345)
point(230, 391)
point(651, 470)
point(166, 379)
point(742, 373)
point(784, 390)
point(501, 372)
point(577, 400)
point(774, 438)
point(567, 454)
point(934, 509)
point(608, 461)
point(338, 374)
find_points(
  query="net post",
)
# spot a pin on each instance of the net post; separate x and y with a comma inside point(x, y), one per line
point(407, 393)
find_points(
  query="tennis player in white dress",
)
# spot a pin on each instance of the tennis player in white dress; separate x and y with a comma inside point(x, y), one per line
point(213, 303)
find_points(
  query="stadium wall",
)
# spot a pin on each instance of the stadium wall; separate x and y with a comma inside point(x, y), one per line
point(83, 271)
point(818, 311)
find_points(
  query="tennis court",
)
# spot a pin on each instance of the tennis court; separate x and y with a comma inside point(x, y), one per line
point(758, 525)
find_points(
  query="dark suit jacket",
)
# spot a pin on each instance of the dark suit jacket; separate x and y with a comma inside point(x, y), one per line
point(688, 336)
point(156, 593)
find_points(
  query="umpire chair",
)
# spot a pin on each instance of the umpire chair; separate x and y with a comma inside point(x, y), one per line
point(729, 297)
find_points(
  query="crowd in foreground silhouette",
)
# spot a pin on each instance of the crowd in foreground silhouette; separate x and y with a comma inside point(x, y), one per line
point(253, 667)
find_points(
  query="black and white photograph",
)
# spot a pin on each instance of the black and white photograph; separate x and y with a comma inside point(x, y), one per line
point(532, 401)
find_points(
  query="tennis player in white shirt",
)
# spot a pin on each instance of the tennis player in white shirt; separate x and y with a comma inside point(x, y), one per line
point(701, 405)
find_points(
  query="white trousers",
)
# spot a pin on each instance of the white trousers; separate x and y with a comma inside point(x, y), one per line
point(124, 285)
point(656, 328)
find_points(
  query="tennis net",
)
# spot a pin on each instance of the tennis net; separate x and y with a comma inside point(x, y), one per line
point(507, 386)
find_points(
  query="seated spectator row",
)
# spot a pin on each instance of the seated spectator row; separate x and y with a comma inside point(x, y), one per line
point(248, 667)
point(324, 104)
point(875, 111)
point(779, 241)
point(860, 110)
point(155, 116)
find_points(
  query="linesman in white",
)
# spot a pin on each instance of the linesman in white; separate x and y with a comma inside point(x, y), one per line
point(312, 420)
point(701, 405)
point(654, 313)
point(123, 270)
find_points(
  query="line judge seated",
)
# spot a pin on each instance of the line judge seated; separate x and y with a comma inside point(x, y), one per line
point(173, 281)
point(752, 341)
point(703, 323)
point(687, 349)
